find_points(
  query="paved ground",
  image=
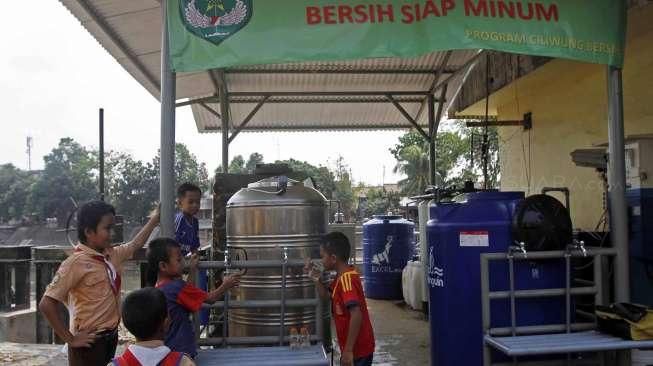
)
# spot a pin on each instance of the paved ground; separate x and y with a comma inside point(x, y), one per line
point(402, 335)
point(402, 339)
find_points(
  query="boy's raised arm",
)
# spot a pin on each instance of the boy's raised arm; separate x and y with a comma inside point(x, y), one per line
point(127, 251)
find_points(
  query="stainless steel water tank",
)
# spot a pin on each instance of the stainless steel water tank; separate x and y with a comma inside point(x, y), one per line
point(262, 219)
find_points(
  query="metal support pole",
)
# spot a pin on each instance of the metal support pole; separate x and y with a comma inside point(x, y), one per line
point(319, 318)
point(167, 161)
point(617, 191)
point(225, 311)
point(513, 310)
point(485, 308)
point(101, 154)
point(224, 112)
point(282, 325)
point(568, 293)
point(432, 137)
point(617, 184)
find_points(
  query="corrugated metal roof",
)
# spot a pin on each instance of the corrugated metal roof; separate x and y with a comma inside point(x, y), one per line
point(130, 30)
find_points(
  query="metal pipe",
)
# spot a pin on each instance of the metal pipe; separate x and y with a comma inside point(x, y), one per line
point(225, 312)
point(554, 254)
point(250, 264)
point(256, 304)
point(282, 325)
point(196, 315)
point(167, 159)
point(432, 137)
point(617, 184)
point(224, 112)
point(513, 311)
point(270, 340)
point(319, 313)
point(598, 280)
point(537, 329)
point(101, 154)
point(548, 292)
point(485, 308)
point(568, 293)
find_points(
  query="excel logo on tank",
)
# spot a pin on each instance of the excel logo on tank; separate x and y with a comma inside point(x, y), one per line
point(215, 20)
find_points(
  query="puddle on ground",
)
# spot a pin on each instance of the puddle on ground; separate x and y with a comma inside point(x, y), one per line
point(382, 356)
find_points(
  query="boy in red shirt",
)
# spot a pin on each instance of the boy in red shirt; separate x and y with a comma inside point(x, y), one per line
point(348, 306)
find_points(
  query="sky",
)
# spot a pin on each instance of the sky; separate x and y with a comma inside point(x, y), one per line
point(55, 76)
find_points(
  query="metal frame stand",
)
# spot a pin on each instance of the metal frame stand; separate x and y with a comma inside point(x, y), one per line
point(595, 288)
point(167, 151)
point(284, 302)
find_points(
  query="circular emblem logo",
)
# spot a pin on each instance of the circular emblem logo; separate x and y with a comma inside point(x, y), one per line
point(215, 20)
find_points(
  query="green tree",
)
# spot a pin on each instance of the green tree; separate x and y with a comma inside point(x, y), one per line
point(380, 201)
point(324, 178)
point(413, 162)
point(453, 157)
point(132, 186)
point(254, 158)
point(187, 168)
point(15, 188)
point(70, 172)
point(343, 189)
point(475, 172)
point(237, 165)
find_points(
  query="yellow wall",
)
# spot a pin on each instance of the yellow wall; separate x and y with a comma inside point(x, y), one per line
point(569, 105)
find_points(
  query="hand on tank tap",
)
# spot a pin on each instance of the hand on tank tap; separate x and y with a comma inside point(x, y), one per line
point(193, 261)
point(230, 281)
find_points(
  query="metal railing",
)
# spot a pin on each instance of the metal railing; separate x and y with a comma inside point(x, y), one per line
point(283, 303)
point(595, 287)
point(14, 278)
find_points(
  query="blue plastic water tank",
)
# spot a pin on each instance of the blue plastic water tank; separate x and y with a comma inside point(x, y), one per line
point(457, 236)
point(388, 244)
point(640, 208)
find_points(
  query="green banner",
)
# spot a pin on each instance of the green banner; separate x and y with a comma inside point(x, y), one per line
point(206, 34)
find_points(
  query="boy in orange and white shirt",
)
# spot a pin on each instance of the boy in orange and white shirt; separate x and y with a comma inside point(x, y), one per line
point(88, 281)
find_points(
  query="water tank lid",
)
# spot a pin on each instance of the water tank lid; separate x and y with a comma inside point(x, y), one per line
point(272, 182)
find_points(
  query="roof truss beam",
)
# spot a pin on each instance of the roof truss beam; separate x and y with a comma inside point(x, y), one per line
point(408, 117)
point(335, 70)
point(305, 128)
point(247, 119)
point(314, 97)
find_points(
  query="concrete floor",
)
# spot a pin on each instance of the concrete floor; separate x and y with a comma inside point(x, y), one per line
point(402, 335)
point(401, 339)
